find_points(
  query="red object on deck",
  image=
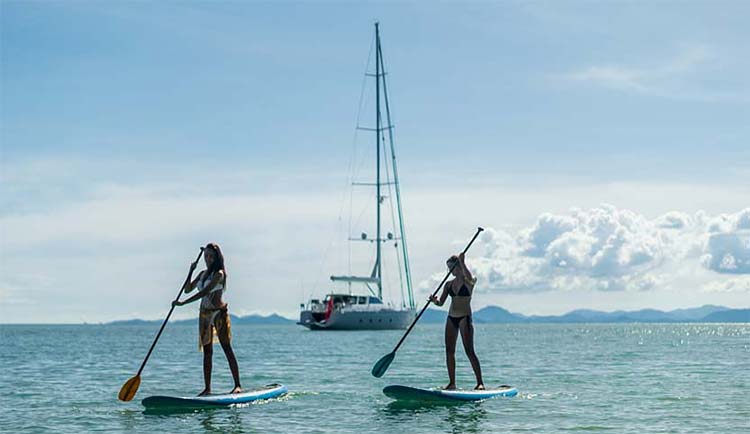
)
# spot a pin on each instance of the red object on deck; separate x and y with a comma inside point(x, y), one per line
point(329, 308)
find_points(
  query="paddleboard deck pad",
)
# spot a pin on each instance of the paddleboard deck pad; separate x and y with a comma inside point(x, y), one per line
point(219, 400)
point(406, 393)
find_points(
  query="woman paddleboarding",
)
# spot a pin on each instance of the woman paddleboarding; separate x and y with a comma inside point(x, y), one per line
point(460, 289)
point(214, 315)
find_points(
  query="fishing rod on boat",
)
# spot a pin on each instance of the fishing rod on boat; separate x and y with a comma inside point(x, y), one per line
point(382, 365)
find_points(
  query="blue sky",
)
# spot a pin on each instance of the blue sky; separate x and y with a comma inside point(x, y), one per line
point(133, 132)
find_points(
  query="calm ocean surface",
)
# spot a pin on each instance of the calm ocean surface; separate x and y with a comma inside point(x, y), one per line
point(617, 378)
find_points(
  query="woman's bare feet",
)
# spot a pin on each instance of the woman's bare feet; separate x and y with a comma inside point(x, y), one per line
point(479, 386)
point(450, 386)
point(205, 392)
point(237, 389)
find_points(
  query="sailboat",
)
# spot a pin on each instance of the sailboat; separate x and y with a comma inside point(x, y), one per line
point(362, 307)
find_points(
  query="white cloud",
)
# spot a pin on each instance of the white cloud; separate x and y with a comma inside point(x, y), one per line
point(611, 249)
point(121, 254)
point(80, 240)
point(733, 285)
point(728, 245)
point(133, 219)
point(613, 77)
point(674, 220)
point(682, 76)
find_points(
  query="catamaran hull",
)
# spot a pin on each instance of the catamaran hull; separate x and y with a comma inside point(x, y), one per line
point(378, 320)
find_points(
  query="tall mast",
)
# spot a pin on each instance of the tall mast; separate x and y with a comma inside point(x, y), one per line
point(402, 230)
point(378, 270)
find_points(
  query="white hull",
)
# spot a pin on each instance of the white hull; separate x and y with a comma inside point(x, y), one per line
point(382, 319)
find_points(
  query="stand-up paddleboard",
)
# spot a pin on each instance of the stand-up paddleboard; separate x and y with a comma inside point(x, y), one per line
point(406, 393)
point(219, 400)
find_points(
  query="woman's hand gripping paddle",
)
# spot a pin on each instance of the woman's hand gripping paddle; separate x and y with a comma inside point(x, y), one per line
point(382, 365)
point(128, 390)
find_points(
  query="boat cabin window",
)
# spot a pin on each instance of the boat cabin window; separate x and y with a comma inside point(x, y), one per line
point(375, 300)
point(340, 299)
point(336, 299)
point(361, 300)
point(350, 300)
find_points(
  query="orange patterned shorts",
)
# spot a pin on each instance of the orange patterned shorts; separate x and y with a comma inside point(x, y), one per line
point(214, 326)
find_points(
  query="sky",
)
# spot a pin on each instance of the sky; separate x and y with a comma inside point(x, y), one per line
point(604, 146)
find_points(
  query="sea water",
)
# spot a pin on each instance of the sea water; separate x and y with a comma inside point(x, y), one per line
point(640, 378)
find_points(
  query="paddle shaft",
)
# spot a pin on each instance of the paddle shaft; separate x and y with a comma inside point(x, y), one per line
point(187, 281)
point(479, 230)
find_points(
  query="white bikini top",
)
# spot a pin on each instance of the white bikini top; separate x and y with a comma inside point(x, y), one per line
point(206, 302)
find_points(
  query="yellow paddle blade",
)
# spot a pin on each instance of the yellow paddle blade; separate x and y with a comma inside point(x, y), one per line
point(129, 388)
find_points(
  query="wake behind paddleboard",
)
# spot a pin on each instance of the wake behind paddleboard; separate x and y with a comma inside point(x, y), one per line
point(406, 393)
point(219, 400)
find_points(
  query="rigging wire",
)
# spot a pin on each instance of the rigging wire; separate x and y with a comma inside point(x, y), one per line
point(390, 185)
point(393, 221)
point(402, 229)
point(349, 179)
point(353, 170)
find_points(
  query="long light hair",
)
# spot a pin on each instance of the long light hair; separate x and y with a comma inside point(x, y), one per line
point(217, 264)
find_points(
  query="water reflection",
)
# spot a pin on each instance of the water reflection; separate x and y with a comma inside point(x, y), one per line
point(213, 420)
point(461, 417)
point(129, 419)
point(172, 411)
point(400, 408)
point(466, 419)
point(212, 423)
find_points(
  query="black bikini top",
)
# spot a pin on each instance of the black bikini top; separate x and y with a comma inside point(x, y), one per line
point(462, 292)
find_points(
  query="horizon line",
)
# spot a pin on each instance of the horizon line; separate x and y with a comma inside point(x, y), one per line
point(433, 309)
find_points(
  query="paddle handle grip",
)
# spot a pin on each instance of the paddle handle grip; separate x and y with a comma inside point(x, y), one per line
point(447, 275)
point(187, 281)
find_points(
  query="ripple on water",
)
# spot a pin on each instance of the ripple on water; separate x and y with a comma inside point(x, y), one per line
point(609, 377)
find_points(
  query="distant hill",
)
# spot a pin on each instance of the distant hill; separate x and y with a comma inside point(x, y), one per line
point(434, 316)
point(728, 315)
point(696, 312)
point(272, 319)
point(129, 322)
point(498, 315)
point(258, 319)
point(488, 315)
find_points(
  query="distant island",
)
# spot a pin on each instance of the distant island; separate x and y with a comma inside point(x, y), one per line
point(707, 313)
point(498, 315)
point(272, 319)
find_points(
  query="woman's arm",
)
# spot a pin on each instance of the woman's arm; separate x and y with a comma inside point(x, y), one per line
point(206, 289)
point(191, 286)
point(443, 296)
point(187, 287)
point(468, 277)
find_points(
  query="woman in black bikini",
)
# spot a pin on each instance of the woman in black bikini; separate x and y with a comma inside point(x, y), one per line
point(460, 290)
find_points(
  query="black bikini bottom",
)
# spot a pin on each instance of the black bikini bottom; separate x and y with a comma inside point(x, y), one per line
point(456, 320)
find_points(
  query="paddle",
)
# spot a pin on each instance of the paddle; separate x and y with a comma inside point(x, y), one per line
point(382, 365)
point(131, 386)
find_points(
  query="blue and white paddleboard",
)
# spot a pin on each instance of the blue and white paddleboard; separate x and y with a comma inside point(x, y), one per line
point(219, 400)
point(406, 393)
